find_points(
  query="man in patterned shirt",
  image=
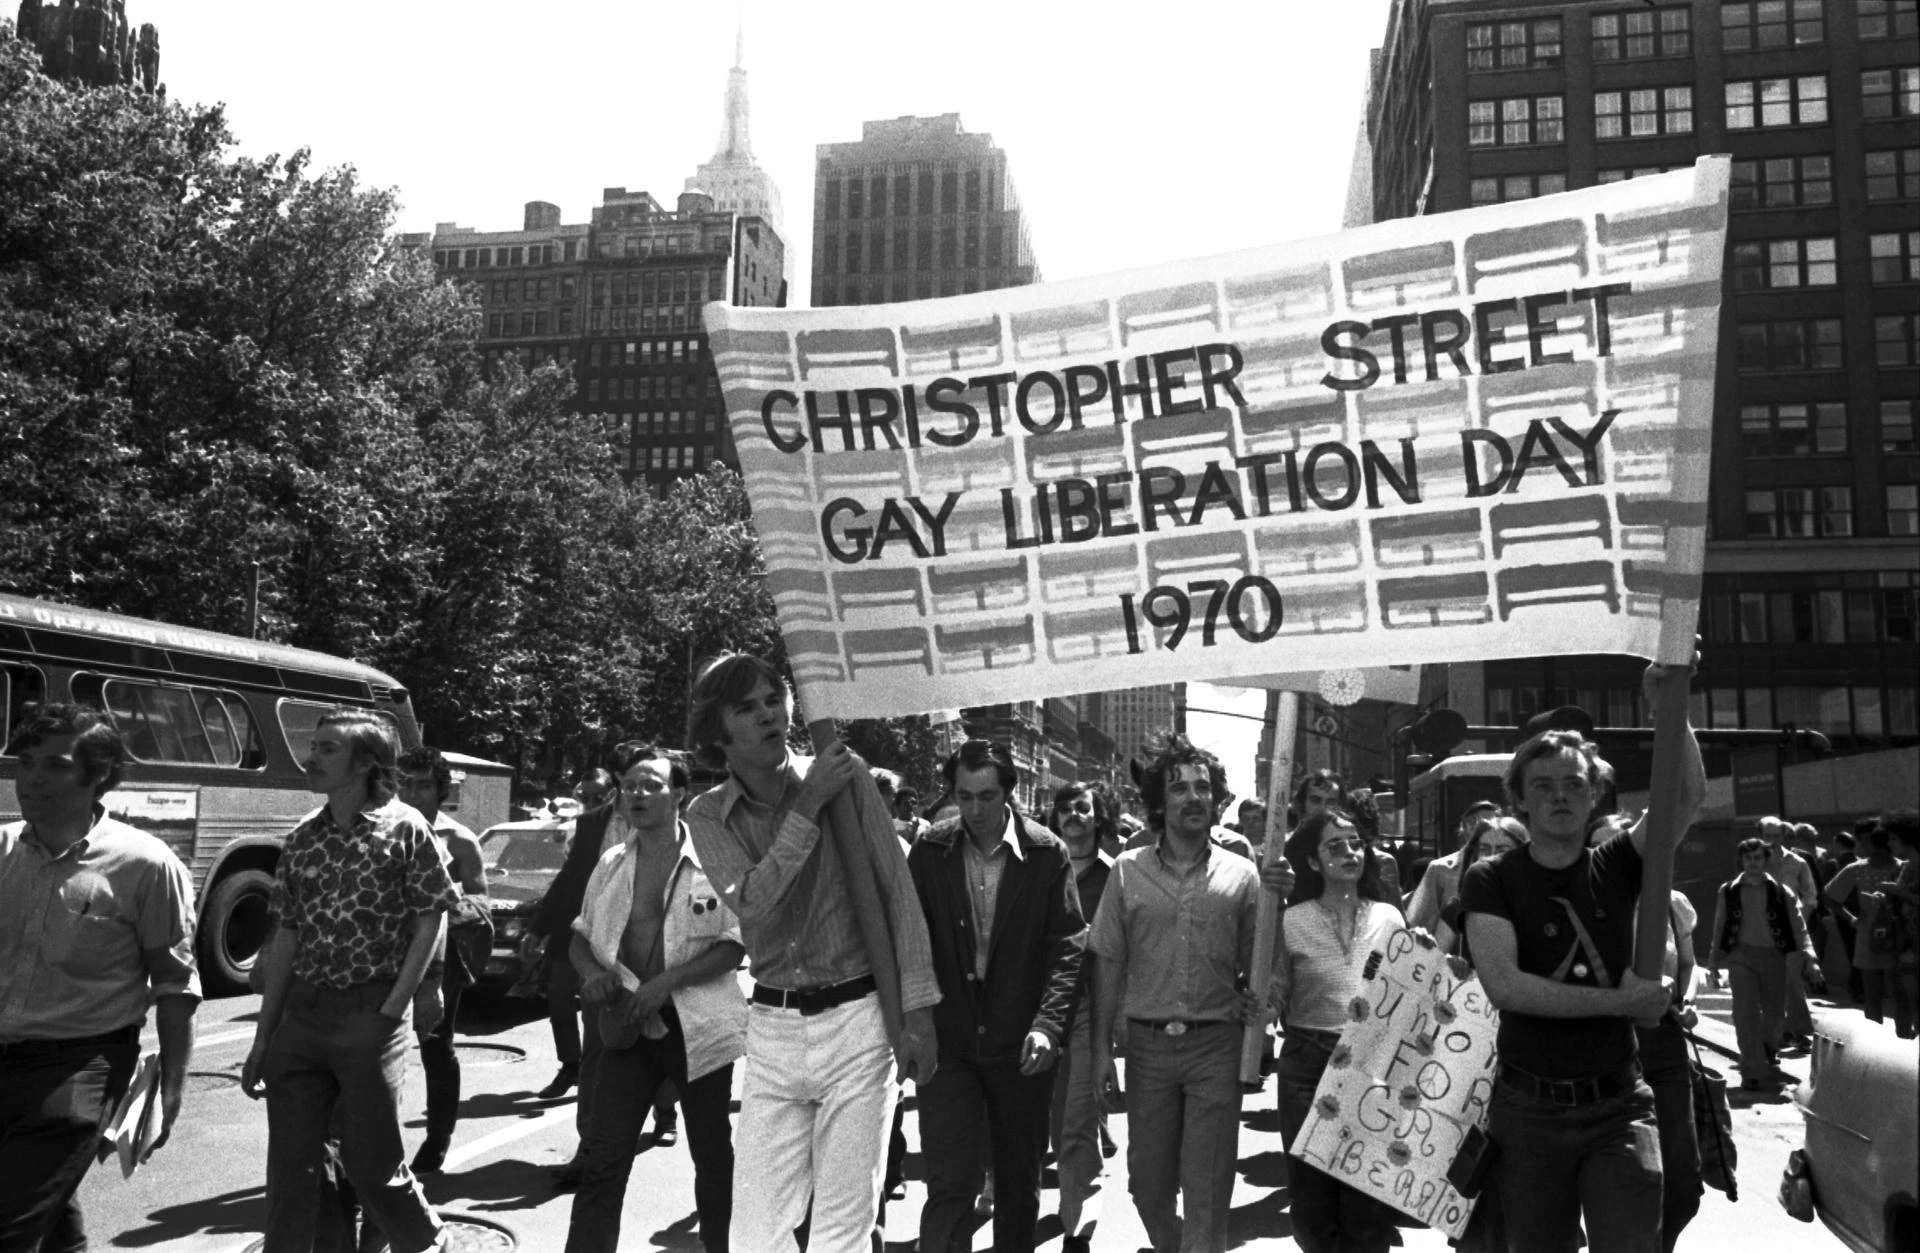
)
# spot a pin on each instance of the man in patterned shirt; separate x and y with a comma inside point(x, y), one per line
point(334, 1017)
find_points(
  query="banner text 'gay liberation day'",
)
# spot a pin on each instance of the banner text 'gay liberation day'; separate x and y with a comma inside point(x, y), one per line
point(1449, 438)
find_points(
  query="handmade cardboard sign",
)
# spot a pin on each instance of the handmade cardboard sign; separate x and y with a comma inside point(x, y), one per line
point(1445, 438)
point(1412, 1075)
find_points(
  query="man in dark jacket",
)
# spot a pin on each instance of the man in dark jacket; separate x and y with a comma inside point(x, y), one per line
point(1007, 935)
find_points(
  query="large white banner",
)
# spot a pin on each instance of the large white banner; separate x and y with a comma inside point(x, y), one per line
point(1449, 438)
point(1412, 1075)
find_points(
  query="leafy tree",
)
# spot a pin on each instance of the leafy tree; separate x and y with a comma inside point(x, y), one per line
point(209, 363)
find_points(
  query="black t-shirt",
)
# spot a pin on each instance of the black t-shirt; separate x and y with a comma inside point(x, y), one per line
point(1601, 887)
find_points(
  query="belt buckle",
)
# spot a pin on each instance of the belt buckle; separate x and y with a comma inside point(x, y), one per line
point(1572, 1088)
point(1175, 1028)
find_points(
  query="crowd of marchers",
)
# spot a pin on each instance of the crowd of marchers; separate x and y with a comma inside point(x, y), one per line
point(1003, 963)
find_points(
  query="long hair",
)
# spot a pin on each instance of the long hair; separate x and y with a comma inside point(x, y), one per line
point(1512, 828)
point(1304, 843)
point(371, 740)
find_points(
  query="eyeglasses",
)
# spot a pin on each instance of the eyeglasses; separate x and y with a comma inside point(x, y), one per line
point(1344, 846)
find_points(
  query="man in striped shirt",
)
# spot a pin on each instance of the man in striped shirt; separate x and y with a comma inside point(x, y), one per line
point(819, 1089)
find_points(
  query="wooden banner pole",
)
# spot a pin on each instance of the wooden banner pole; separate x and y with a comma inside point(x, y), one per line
point(869, 912)
point(1664, 819)
point(1279, 784)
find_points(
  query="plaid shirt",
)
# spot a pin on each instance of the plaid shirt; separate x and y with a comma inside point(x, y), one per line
point(352, 896)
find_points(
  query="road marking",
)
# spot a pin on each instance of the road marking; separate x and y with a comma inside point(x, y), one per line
point(520, 1129)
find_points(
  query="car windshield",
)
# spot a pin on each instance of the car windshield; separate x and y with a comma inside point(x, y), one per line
point(544, 849)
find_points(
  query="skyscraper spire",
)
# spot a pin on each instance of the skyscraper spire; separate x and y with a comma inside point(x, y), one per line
point(732, 177)
point(734, 142)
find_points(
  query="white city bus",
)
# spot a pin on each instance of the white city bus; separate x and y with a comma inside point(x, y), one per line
point(215, 726)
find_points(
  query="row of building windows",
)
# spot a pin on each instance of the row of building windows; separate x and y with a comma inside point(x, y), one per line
point(1816, 343)
point(1823, 512)
point(956, 249)
point(645, 352)
point(1803, 428)
point(1892, 257)
point(1751, 104)
point(882, 195)
point(660, 318)
point(876, 291)
point(1645, 33)
point(657, 287)
point(515, 254)
point(509, 291)
point(1852, 711)
point(1855, 608)
point(656, 387)
point(629, 426)
point(1793, 182)
point(530, 322)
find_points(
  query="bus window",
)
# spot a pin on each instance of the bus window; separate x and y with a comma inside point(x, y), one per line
point(22, 686)
point(229, 727)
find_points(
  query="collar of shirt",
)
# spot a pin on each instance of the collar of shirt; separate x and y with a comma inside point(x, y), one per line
point(688, 854)
point(1009, 837)
point(1160, 851)
point(733, 791)
point(29, 834)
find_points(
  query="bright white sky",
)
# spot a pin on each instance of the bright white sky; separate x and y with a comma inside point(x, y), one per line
point(1136, 133)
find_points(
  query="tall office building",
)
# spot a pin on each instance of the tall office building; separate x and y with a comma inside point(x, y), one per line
point(619, 298)
point(1812, 566)
point(733, 178)
point(917, 208)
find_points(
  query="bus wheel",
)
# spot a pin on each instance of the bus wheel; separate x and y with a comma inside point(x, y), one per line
point(233, 930)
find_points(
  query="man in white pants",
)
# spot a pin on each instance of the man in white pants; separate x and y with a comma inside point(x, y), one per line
point(819, 1090)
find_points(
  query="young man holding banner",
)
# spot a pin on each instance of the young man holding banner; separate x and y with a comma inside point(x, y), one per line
point(1551, 928)
point(819, 1091)
point(1174, 942)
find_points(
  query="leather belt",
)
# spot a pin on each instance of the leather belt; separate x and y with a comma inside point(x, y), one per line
point(50, 1048)
point(1571, 1093)
point(1174, 1026)
point(810, 1001)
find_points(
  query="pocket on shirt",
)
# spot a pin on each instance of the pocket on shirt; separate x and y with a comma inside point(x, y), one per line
point(80, 937)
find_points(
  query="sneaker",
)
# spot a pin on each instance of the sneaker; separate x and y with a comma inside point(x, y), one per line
point(561, 1085)
point(666, 1128)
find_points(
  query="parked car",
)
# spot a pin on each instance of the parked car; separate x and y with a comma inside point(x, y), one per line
point(522, 859)
point(1859, 1170)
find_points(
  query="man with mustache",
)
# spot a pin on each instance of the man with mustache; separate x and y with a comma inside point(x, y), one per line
point(1173, 943)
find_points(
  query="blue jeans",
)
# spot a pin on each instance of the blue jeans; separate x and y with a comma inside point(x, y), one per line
point(1558, 1164)
point(51, 1108)
point(334, 1047)
point(1183, 1133)
point(1328, 1216)
point(1079, 1115)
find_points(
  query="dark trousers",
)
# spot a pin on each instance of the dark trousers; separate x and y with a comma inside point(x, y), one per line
point(1559, 1165)
point(563, 1004)
point(335, 1048)
point(1328, 1216)
point(1663, 1062)
point(51, 1109)
point(965, 1101)
point(628, 1080)
point(442, 1069)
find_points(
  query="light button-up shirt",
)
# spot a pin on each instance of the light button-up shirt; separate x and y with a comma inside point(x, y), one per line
point(1184, 935)
point(90, 936)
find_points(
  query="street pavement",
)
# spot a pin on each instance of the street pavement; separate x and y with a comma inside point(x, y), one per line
point(204, 1192)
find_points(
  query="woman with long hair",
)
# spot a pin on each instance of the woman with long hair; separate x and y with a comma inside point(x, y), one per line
point(1338, 914)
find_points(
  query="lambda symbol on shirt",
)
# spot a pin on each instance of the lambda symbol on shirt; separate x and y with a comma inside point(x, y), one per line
point(1584, 945)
